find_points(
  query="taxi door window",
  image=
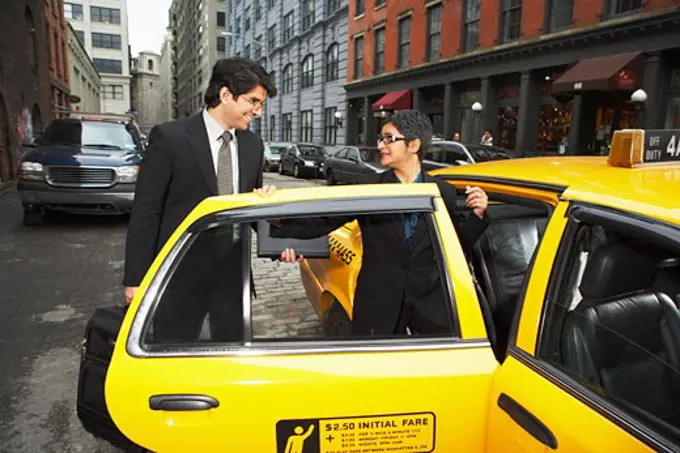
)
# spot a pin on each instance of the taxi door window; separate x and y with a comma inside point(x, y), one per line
point(202, 299)
point(612, 322)
point(403, 292)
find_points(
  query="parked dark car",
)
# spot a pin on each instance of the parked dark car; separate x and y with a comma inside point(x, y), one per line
point(302, 159)
point(353, 165)
point(86, 165)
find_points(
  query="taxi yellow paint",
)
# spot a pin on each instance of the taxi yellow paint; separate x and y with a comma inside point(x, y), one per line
point(460, 384)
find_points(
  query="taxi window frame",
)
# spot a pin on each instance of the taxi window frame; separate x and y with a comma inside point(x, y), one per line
point(135, 344)
point(657, 232)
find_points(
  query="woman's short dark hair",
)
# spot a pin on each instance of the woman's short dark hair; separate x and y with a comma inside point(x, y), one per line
point(238, 75)
point(413, 124)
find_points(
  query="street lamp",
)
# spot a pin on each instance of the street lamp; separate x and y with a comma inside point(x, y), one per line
point(338, 118)
point(477, 107)
point(639, 97)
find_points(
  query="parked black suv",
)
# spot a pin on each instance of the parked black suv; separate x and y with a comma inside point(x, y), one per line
point(87, 164)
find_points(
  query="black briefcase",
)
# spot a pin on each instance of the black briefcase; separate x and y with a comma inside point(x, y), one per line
point(100, 337)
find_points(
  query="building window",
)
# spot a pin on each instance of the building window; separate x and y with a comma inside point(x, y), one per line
point(434, 31)
point(108, 66)
point(238, 25)
point(511, 20)
point(306, 126)
point(106, 41)
point(288, 27)
point(360, 8)
point(257, 126)
point(271, 37)
point(221, 19)
point(81, 36)
point(560, 14)
point(330, 133)
point(404, 42)
point(333, 62)
point(624, 6)
point(358, 57)
point(108, 15)
point(258, 48)
point(114, 92)
point(246, 52)
point(73, 11)
point(332, 6)
point(247, 14)
point(258, 10)
point(287, 127)
point(271, 4)
point(287, 85)
point(379, 53)
point(379, 3)
point(149, 64)
point(307, 14)
point(308, 72)
point(471, 25)
point(272, 128)
point(221, 44)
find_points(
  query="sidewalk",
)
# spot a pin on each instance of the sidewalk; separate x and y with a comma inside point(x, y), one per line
point(11, 211)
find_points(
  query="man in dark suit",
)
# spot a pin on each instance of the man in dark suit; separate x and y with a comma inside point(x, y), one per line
point(399, 286)
point(188, 160)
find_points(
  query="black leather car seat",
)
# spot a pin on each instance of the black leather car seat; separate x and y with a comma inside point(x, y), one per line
point(622, 338)
point(503, 254)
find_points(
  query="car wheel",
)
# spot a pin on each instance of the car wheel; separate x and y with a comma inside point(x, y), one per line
point(337, 323)
point(280, 168)
point(329, 178)
point(296, 171)
point(33, 217)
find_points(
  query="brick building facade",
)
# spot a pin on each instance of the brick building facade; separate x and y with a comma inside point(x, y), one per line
point(543, 71)
point(25, 105)
point(57, 32)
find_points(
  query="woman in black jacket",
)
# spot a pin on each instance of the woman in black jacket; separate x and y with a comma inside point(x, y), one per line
point(399, 285)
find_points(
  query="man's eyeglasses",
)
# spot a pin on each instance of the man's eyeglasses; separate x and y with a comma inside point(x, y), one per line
point(255, 102)
point(386, 140)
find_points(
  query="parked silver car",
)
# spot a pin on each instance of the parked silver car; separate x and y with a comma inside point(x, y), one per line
point(272, 154)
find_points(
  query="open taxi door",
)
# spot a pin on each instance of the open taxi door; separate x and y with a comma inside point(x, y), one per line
point(540, 402)
point(304, 395)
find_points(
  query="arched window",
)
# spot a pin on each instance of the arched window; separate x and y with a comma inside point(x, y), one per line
point(36, 119)
point(333, 62)
point(287, 85)
point(150, 64)
point(308, 71)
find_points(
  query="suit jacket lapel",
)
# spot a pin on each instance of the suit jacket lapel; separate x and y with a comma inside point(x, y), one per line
point(200, 145)
point(244, 155)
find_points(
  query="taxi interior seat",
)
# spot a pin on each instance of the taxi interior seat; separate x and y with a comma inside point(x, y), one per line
point(667, 278)
point(501, 259)
point(622, 338)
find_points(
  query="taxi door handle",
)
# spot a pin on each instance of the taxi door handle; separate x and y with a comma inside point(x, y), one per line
point(527, 421)
point(178, 402)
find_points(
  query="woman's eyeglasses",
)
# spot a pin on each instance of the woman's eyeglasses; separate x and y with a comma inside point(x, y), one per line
point(387, 139)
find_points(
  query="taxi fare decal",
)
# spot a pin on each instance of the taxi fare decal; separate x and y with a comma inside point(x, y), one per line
point(345, 254)
point(398, 433)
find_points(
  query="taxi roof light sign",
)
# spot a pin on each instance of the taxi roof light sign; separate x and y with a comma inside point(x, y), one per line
point(634, 147)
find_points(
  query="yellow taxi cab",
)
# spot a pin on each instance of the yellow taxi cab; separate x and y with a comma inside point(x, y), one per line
point(566, 335)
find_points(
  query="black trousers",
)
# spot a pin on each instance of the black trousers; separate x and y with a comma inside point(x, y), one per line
point(417, 323)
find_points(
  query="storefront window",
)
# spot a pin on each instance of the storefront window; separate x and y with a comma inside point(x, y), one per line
point(673, 116)
point(553, 128)
point(507, 128)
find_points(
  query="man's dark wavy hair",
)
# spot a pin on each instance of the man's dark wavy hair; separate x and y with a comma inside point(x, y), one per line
point(239, 75)
point(413, 124)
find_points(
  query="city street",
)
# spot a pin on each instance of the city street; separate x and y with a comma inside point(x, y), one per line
point(51, 279)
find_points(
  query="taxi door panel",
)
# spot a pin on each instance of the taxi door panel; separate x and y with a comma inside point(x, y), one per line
point(409, 394)
point(537, 388)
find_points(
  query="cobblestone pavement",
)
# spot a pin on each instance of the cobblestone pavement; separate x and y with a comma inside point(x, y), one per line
point(52, 277)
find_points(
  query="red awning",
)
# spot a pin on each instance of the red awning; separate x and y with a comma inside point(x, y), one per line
point(394, 100)
point(614, 72)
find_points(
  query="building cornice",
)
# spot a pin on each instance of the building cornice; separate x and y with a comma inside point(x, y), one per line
point(613, 30)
